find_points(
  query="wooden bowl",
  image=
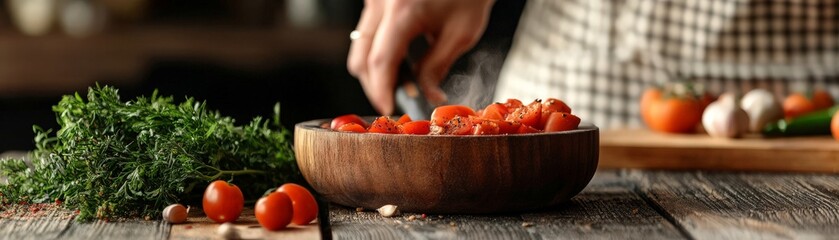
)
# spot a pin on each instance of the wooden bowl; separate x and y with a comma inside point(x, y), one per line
point(446, 174)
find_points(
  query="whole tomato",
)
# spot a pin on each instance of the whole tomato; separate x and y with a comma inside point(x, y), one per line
point(274, 211)
point(797, 104)
point(671, 112)
point(305, 206)
point(223, 202)
point(834, 125)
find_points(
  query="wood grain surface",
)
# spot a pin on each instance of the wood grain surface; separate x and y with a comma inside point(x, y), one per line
point(644, 149)
point(748, 206)
point(608, 208)
point(617, 204)
point(446, 174)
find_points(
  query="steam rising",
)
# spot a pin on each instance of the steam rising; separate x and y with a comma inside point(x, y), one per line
point(476, 87)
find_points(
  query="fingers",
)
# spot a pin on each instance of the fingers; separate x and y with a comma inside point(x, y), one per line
point(359, 48)
point(390, 44)
point(453, 41)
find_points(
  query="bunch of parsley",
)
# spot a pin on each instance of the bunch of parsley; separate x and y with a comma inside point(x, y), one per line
point(114, 158)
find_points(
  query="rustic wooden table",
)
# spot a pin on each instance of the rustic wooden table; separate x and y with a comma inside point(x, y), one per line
point(624, 204)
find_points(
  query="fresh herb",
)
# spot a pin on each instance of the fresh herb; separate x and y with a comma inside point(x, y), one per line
point(130, 159)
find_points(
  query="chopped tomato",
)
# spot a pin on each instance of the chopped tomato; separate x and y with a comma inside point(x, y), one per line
point(443, 114)
point(383, 124)
point(512, 104)
point(419, 127)
point(549, 106)
point(523, 129)
point(352, 127)
point(561, 121)
point(555, 105)
point(403, 119)
point(495, 111)
point(485, 127)
point(458, 126)
point(529, 115)
point(506, 127)
point(349, 118)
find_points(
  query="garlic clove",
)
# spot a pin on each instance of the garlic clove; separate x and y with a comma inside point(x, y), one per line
point(762, 108)
point(175, 213)
point(388, 210)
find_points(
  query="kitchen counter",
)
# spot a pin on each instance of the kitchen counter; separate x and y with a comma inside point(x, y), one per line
point(619, 204)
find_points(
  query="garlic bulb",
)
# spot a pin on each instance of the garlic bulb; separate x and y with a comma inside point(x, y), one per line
point(725, 118)
point(762, 108)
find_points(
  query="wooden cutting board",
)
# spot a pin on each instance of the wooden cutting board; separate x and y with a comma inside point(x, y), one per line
point(640, 148)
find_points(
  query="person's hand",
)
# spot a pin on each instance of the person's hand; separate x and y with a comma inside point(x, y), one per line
point(386, 29)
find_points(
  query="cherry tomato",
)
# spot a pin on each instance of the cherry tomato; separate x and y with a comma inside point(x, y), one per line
point(529, 115)
point(274, 211)
point(495, 111)
point(674, 114)
point(561, 121)
point(383, 124)
point(305, 206)
point(349, 118)
point(352, 127)
point(443, 114)
point(403, 119)
point(223, 202)
point(834, 125)
point(797, 104)
point(419, 127)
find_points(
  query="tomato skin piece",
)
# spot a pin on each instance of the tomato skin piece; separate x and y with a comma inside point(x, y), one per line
point(383, 124)
point(348, 118)
point(403, 119)
point(822, 100)
point(443, 114)
point(305, 206)
point(561, 121)
point(529, 115)
point(352, 127)
point(419, 127)
point(274, 211)
point(495, 111)
point(223, 202)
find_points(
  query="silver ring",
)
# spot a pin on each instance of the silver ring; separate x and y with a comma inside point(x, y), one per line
point(355, 34)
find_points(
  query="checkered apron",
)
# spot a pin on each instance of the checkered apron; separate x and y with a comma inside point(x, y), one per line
point(599, 55)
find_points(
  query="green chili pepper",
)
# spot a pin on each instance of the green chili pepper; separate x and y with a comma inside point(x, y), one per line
point(815, 123)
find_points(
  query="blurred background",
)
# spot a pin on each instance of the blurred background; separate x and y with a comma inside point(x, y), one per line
point(241, 56)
